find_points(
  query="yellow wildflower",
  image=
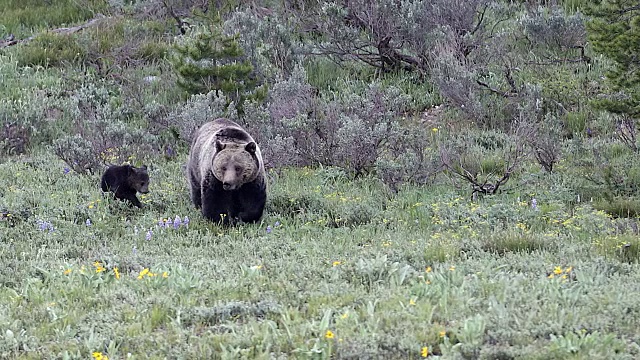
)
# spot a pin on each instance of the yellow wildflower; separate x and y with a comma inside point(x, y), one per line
point(442, 333)
point(344, 316)
point(550, 276)
point(336, 263)
point(165, 275)
point(329, 334)
point(98, 356)
point(412, 302)
point(98, 266)
point(67, 272)
point(557, 270)
point(564, 276)
point(428, 269)
point(452, 268)
point(424, 352)
point(144, 272)
point(568, 270)
point(116, 273)
point(435, 129)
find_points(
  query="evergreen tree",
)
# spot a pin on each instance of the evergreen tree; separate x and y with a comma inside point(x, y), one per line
point(213, 61)
point(615, 32)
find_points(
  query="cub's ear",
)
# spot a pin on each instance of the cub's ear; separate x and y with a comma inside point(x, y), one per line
point(143, 167)
point(219, 145)
point(251, 147)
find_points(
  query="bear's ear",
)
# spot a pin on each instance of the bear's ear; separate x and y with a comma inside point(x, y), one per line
point(251, 147)
point(143, 167)
point(219, 145)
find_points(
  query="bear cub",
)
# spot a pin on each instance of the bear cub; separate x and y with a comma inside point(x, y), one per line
point(226, 175)
point(124, 181)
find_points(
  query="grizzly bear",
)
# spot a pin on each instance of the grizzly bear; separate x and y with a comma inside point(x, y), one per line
point(226, 173)
point(124, 181)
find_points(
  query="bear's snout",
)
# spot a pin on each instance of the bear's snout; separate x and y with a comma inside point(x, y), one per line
point(228, 186)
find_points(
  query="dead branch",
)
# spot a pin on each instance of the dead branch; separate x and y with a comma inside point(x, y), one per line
point(63, 31)
point(502, 93)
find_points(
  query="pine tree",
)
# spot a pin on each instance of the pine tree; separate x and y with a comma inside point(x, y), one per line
point(214, 61)
point(614, 31)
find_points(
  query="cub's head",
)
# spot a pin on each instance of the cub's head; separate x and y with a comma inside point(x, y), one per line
point(138, 178)
point(235, 164)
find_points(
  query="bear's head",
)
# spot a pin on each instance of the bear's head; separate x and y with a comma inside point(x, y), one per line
point(138, 178)
point(235, 164)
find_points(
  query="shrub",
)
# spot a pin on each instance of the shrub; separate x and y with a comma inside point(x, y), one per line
point(209, 60)
point(15, 139)
point(104, 132)
point(269, 42)
point(198, 110)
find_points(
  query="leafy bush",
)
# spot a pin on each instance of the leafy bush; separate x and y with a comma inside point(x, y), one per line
point(349, 132)
point(269, 42)
point(103, 132)
point(198, 110)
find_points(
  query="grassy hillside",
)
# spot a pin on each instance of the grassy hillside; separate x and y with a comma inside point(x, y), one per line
point(374, 250)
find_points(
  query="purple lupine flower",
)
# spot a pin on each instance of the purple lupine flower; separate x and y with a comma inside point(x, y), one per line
point(66, 170)
point(276, 224)
point(45, 225)
point(269, 229)
point(161, 223)
point(169, 151)
point(534, 204)
point(134, 250)
point(168, 223)
point(177, 222)
point(42, 226)
point(185, 221)
point(88, 222)
point(149, 235)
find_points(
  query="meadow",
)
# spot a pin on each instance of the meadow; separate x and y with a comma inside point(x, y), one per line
point(343, 265)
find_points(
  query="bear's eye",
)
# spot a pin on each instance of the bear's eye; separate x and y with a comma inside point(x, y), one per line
point(224, 168)
point(238, 169)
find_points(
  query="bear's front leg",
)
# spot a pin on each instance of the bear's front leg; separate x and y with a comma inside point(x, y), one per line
point(134, 200)
point(252, 202)
point(213, 207)
point(196, 191)
point(128, 195)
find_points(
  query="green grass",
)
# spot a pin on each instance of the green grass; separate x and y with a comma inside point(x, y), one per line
point(347, 270)
point(22, 17)
point(426, 269)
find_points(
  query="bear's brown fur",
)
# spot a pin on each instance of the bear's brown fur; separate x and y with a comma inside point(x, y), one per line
point(226, 173)
point(124, 181)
